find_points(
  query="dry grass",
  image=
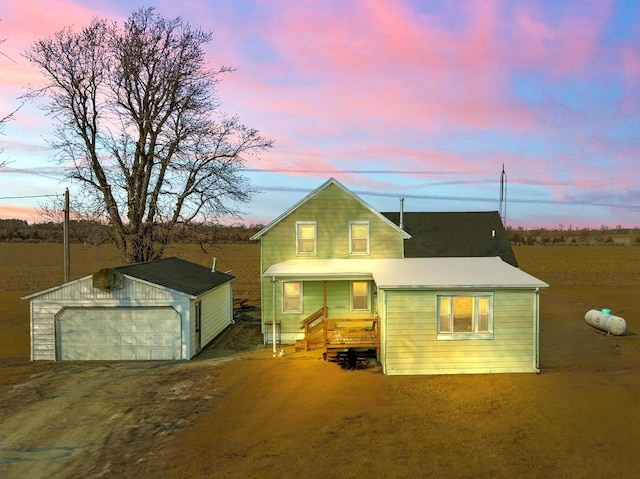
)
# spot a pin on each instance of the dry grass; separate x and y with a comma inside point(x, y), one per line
point(582, 266)
point(36, 266)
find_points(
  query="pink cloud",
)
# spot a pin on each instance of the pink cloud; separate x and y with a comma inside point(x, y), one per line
point(631, 64)
point(18, 212)
point(372, 59)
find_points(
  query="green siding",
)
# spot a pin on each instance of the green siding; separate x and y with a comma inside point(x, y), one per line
point(338, 304)
point(332, 209)
point(411, 344)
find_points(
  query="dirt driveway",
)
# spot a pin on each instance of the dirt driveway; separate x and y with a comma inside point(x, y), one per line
point(85, 420)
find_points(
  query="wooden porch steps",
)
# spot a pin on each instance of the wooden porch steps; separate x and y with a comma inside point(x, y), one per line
point(346, 341)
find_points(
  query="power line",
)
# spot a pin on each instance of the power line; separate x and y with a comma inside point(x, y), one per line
point(25, 197)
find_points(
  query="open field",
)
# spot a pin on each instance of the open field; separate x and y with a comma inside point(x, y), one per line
point(252, 415)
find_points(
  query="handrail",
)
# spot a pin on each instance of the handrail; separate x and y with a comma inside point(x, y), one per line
point(311, 318)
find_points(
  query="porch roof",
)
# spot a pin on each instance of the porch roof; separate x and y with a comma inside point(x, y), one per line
point(321, 269)
point(418, 273)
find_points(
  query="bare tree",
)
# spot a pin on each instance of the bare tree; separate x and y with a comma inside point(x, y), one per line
point(138, 126)
point(4, 120)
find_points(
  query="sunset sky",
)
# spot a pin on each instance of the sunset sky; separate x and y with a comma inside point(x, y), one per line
point(424, 100)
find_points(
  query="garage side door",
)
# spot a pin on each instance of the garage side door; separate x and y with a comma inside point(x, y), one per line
point(118, 334)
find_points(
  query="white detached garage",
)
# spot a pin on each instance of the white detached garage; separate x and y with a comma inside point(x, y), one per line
point(165, 309)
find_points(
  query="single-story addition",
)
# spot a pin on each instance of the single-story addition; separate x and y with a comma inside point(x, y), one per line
point(433, 315)
point(159, 310)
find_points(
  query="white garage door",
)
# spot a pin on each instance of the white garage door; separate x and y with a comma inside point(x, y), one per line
point(118, 333)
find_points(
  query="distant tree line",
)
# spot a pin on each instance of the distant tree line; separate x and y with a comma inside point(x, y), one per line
point(561, 236)
point(92, 232)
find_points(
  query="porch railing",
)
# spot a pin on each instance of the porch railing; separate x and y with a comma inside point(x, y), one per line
point(351, 333)
point(313, 330)
point(330, 334)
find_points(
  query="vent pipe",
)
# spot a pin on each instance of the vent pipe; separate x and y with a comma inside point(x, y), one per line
point(401, 213)
point(213, 266)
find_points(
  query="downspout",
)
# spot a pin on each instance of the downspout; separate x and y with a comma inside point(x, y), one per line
point(383, 332)
point(536, 331)
point(55, 348)
point(401, 223)
point(273, 319)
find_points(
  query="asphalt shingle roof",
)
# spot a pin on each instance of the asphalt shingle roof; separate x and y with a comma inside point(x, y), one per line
point(455, 234)
point(177, 274)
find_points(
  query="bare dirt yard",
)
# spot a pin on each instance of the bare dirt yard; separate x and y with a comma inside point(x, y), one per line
point(238, 412)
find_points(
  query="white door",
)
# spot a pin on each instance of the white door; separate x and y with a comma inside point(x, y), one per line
point(118, 334)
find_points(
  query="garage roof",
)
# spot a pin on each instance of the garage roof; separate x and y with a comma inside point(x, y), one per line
point(177, 274)
point(433, 273)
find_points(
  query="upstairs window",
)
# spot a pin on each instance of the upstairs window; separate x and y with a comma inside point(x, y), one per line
point(292, 297)
point(306, 238)
point(465, 317)
point(360, 297)
point(359, 237)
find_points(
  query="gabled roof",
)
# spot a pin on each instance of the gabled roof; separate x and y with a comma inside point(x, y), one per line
point(455, 234)
point(411, 273)
point(171, 273)
point(177, 274)
point(330, 181)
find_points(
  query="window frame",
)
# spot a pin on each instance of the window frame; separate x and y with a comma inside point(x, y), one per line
point(300, 298)
point(367, 238)
point(475, 333)
point(315, 238)
point(351, 296)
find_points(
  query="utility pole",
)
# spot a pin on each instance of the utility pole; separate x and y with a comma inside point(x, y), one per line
point(67, 250)
point(503, 197)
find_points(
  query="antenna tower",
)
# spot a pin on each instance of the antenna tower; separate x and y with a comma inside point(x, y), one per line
point(503, 196)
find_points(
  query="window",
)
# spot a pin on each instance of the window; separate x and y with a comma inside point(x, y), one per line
point(306, 238)
point(465, 317)
point(360, 296)
point(359, 237)
point(292, 297)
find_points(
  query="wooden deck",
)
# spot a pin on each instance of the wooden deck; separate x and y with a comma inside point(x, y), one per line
point(334, 335)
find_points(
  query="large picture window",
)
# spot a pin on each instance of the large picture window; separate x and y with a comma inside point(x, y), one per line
point(359, 237)
point(465, 316)
point(306, 238)
point(360, 297)
point(291, 297)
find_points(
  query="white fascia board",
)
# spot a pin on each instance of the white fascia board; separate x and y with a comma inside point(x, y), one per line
point(470, 287)
point(56, 287)
point(319, 276)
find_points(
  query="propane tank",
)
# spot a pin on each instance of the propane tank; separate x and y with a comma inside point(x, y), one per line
point(605, 321)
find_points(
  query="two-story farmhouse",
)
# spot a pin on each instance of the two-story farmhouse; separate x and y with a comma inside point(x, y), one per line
point(433, 293)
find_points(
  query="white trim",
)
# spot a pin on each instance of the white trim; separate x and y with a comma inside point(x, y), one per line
point(315, 238)
point(357, 310)
point(301, 298)
point(453, 335)
point(367, 238)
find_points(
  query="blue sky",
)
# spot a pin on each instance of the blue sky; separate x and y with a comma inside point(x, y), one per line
point(421, 100)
